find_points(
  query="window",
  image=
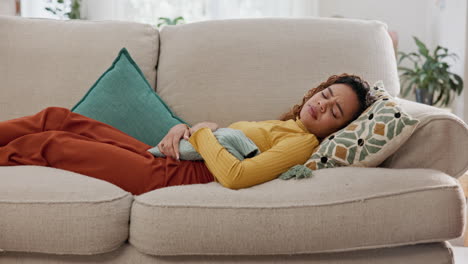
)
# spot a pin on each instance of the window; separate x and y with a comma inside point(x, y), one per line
point(148, 11)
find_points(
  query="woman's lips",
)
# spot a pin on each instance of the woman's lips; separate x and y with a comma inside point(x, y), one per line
point(312, 112)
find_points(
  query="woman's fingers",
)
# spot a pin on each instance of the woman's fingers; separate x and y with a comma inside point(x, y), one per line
point(165, 146)
point(161, 148)
point(169, 146)
point(175, 144)
point(187, 134)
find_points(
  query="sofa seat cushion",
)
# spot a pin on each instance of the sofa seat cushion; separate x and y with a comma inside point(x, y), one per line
point(338, 209)
point(49, 210)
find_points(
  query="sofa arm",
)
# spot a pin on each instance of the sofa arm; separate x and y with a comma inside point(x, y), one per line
point(439, 142)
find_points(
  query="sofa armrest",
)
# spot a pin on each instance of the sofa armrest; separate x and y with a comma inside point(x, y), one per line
point(439, 142)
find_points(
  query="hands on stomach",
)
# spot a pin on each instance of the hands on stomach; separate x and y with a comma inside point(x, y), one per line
point(169, 145)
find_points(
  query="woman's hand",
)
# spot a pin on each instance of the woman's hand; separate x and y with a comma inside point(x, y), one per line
point(169, 145)
point(210, 125)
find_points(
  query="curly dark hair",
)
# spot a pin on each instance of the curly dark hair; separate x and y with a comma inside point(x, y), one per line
point(359, 86)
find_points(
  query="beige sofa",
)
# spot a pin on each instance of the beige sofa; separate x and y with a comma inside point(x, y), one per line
point(226, 71)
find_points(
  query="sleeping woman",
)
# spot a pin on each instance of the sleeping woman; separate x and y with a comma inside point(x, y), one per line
point(56, 137)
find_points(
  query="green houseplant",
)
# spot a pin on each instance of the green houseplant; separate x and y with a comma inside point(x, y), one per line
point(430, 76)
point(167, 21)
point(59, 7)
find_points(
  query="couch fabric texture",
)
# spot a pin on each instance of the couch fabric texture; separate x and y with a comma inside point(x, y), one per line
point(251, 62)
point(344, 209)
point(54, 211)
point(417, 254)
point(439, 142)
point(48, 62)
point(226, 71)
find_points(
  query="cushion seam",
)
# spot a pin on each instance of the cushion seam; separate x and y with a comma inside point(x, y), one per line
point(440, 187)
point(350, 249)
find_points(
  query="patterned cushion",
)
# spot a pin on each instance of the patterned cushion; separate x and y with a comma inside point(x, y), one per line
point(369, 140)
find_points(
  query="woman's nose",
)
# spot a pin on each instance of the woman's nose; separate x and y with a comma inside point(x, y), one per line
point(322, 106)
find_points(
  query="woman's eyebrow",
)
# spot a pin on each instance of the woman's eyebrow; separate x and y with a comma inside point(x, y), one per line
point(339, 106)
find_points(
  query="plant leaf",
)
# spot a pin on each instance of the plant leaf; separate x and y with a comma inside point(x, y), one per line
point(459, 82)
point(438, 97)
point(177, 19)
point(408, 89)
point(405, 69)
point(447, 98)
point(432, 74)
point(430, 87)
point(422, 48)
point(51, 10)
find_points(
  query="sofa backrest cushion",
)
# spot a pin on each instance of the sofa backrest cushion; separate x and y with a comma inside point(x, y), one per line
point(255, 69)
point(47, 62)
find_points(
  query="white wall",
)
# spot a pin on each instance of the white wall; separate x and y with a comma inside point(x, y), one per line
point(147, 11)
point(35, 8)
point(7, 7)
point(465, 79)
point(405, 17)
point(102, 9)
point(449, 31)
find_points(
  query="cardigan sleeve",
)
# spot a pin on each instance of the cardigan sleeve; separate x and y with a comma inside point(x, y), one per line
point(268, 165)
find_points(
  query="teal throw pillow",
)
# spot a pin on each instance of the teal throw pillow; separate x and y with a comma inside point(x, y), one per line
point(123, 98)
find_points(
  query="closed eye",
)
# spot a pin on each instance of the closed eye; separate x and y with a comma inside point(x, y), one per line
point(333, 113)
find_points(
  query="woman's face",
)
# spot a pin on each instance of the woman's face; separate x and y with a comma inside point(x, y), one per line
point(329, 110)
